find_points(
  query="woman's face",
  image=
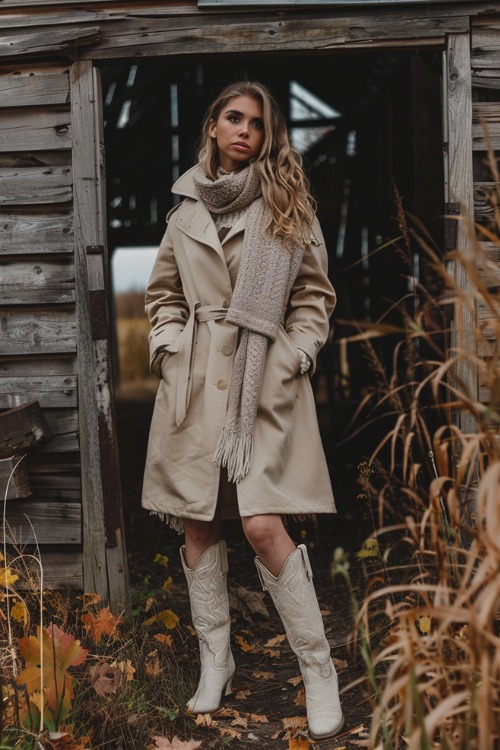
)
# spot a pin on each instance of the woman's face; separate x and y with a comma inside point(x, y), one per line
point(239, 132)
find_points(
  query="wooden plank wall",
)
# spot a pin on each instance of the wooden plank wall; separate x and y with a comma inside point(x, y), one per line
point(485, 66)
point(38, 334)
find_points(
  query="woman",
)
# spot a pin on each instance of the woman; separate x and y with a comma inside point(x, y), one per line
point(239, 302)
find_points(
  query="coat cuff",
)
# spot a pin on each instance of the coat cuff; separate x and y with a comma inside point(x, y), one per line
point(303, 341)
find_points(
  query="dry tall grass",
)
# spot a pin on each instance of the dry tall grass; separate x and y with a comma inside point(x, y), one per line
point(430, 622)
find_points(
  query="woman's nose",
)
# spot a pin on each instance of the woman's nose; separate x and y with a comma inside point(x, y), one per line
point(244, 128)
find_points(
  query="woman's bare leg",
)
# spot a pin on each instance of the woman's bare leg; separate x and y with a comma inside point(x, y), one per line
point(199, 536)
point(269, 539)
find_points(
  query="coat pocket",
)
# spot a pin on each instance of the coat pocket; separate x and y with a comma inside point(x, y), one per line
point(296, 358)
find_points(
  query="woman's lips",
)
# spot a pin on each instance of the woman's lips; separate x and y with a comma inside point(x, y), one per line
point(241, 146)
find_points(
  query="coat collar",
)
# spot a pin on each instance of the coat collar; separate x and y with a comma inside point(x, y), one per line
point(198, 223)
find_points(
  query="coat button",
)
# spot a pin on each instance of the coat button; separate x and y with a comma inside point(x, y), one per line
point(225, 304)
point(227, 350)
point(222, 384)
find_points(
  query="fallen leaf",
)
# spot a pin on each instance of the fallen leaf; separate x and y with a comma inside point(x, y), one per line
point(294, 722)
point(19, 612)
point(340, 663)
point(125, 668)
point(90, 599)
point(259, 718)
point(167, 584)
point(241, 695)
point(166, 617)
point(295, 680)
point(57, 651)
point(299, 743)
point(161, 743)
point(230, 733)
point(240, 721)
point(276, 641)
point(106, 679)
point(152, 665)
point(251, 648)
point(64, 741)
point(165, 640)
point(106, 623)
point(7, 577)
point(204, 720)
point(300, 698)
point(161, 559)
point(264, 676)
point(149, 603)
point(271, 653)
point(248, 602)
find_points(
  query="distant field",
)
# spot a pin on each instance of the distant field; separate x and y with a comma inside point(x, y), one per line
point(132, 329)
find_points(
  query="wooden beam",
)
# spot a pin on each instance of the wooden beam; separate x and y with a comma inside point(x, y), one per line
point(51, 391)
point(23, 44)
point(105, 564)
point(152, 32)
point(56, 570)
point(30, 522)
point(33, 87)
point(458, 120)
point(37, 281)
point(34, 129)
point(42, 331)
point(26, 232)
point(35, 185)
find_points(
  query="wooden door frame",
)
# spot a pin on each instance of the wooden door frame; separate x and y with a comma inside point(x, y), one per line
point(458, 141)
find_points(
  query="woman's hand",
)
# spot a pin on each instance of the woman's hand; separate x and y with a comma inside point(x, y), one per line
point(305, 361)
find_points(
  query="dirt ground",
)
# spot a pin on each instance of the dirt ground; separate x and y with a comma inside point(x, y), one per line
point(266, 680)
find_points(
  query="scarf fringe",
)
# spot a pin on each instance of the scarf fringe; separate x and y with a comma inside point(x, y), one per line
point(175, 523)
point(235, 453)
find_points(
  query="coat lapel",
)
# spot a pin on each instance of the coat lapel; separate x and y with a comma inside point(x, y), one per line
point(197, 223)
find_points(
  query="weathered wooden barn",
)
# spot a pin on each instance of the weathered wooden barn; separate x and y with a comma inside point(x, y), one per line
point(86, 84)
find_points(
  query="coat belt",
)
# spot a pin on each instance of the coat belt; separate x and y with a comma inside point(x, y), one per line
point(199, 314)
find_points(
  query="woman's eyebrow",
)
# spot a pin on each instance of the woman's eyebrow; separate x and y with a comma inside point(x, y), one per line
point(240, 114)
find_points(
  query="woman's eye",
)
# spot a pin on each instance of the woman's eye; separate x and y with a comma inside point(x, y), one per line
point(258, 124)
point(233, 118)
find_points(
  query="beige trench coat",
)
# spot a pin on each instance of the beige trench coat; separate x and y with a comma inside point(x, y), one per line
point(187, 297)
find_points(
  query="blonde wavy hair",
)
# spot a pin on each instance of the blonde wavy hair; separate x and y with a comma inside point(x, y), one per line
point(285, 187)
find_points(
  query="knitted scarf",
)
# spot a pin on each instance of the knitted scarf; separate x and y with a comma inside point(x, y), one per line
point(265, 277)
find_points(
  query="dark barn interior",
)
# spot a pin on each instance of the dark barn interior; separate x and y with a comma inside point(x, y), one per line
point(368, 126)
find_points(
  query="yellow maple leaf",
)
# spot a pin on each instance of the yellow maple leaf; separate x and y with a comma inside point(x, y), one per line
point(165, 617)
point(370, 548)
point(19, 612)
point(7, 577)
point(167, 584)
point(161, 560)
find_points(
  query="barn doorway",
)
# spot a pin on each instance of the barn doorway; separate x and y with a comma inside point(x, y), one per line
point(368, 126)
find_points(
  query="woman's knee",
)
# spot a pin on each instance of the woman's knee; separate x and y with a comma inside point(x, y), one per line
point(262, 531)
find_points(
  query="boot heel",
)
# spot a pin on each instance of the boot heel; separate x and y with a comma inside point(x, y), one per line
point(228, 689)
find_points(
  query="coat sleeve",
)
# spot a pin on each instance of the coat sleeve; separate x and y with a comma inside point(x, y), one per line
point(312, 299)
point(166, 305)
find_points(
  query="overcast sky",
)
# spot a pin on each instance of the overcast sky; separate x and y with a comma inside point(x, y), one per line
point(131, 268)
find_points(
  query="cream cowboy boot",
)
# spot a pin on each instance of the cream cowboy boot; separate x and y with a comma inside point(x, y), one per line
point(210, 612)
point(295, 599)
